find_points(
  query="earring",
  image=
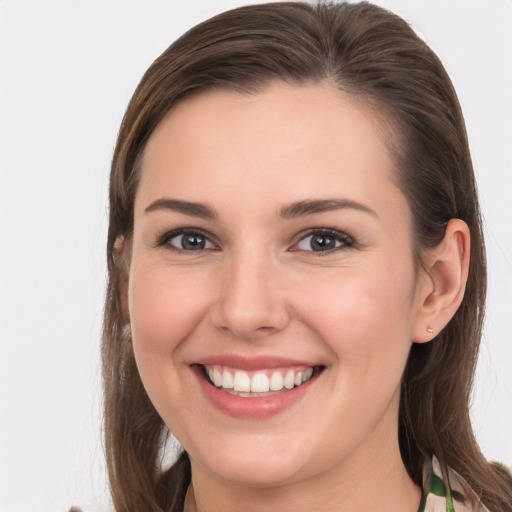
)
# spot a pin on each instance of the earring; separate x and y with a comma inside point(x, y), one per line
point(430, 330)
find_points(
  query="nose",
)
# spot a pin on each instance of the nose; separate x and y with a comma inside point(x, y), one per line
point(251, 301)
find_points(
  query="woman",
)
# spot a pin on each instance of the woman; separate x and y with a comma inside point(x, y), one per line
point(296, 273)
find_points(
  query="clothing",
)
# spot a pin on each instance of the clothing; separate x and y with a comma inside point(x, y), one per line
point(440, 497)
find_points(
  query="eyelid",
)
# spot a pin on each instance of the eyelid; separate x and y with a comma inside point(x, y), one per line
point(347, 240)
point(163, 240)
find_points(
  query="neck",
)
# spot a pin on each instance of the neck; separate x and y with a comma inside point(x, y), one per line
point(376, 482)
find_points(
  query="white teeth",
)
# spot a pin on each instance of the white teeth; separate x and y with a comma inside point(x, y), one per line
point(227, 380)
point(289, 379)
point(261, 381)
point(217, 377)
point(241, 381)
point(276, 382)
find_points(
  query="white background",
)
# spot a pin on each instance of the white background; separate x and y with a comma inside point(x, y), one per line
point(67, 70)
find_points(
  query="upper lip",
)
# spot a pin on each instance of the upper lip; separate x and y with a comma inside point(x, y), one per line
point(251, 363)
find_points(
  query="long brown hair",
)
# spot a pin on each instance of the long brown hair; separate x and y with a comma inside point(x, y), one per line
point(375, 56)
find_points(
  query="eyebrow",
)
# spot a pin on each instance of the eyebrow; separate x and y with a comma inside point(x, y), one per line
point(291, 211)
point(200, 210)
point(316, 206)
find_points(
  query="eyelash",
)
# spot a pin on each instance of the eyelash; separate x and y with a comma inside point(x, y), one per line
point(345, 241)
point(165, 239)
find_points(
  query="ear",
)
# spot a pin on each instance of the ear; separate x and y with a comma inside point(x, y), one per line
point(443, 281)
point(119, 245)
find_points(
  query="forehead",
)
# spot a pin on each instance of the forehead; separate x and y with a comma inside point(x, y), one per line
point(286, 142)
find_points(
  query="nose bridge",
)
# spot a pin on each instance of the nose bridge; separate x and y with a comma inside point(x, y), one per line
point(249, 302)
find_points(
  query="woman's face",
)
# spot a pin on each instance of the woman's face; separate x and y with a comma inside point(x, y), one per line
point(272, 248)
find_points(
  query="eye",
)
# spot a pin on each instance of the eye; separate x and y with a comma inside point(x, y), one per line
point(325, 240)
point(187, 241)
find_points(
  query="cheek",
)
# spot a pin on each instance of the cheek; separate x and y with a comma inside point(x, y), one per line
point(363, 312)
point(164, 307)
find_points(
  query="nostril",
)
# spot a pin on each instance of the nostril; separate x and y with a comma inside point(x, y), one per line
point(247, 332)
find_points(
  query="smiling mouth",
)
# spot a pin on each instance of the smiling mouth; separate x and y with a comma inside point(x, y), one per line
point(259, 383)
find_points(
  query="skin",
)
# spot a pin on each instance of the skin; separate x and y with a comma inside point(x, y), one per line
point(258, 288)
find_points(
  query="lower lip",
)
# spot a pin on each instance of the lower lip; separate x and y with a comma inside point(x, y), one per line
point(256, 408)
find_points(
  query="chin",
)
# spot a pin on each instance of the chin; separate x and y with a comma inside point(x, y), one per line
point(259, 474)
point(257, 467)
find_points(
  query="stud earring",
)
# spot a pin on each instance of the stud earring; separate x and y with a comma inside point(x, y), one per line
point(430, 330)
